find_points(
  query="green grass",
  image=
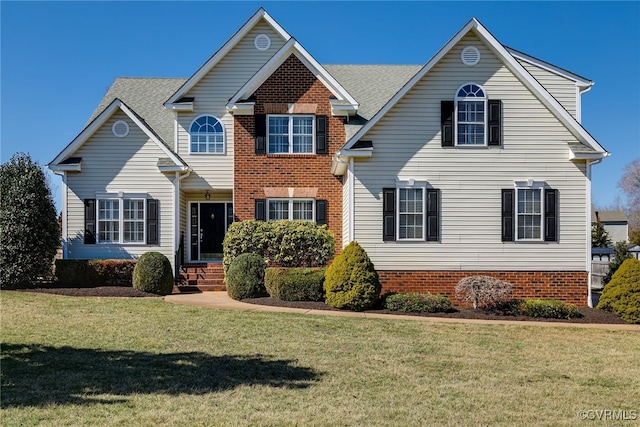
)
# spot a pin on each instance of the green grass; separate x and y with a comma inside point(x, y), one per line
point(144, 362)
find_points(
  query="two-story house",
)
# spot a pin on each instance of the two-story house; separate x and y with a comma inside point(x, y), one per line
point(475, 163)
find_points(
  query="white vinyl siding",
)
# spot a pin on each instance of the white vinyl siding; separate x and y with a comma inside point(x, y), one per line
point(346, 212)
point(408, 146)
point(112, 165)
point(561, 88)
point(211, 95)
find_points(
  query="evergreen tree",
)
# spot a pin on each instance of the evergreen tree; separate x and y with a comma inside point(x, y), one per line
point(29, 231)
point(599, 236)
point(620, 254)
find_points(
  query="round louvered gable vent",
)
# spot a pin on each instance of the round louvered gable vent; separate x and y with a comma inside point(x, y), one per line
point(470, 55)
point(262, 42)
point(120, 129)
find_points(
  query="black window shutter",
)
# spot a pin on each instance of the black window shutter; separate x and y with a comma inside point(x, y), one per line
point(550, 215)
point(152, 222)
point(321, 212)
point(261, 209)
point(388, 214)
point(321, 135)
point(508, 213)
point(89, 221)
point(261, 133)
point(495, 122)
point(433, 209)
point(446, 122)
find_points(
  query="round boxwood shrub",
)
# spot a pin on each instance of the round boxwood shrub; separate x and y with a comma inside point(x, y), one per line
point(622, 294)
point(152, 273)
point(245, 277)
point(295, 283)
point(351, 281)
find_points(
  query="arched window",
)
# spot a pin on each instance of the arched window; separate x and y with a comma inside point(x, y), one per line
point(207, 135)
point(471, 115)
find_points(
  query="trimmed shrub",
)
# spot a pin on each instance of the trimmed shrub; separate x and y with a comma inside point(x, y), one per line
point(351, 281)
point(94, 272)
point(483, 291)
point(295, 284)
point(245, 277)
point(620, 254)
point(280, 243)
point(622, 294)
point(153, 274)
point(418, 303)
point(547, 308)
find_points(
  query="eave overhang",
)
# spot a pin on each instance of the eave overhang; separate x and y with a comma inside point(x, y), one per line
point(340, 160)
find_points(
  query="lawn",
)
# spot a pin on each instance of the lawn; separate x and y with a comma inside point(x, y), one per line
point(143, 362)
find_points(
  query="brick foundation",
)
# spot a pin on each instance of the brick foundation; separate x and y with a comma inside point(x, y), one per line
point(566, 286)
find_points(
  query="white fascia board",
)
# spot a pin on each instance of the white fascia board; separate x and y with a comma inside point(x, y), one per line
point(222, 52)
point(291, 47)
point(242, 109)
point(587, 156)
point(181, 106)
point(177, 168)
point(499, 50)
point(340, 161)
point(65, 168)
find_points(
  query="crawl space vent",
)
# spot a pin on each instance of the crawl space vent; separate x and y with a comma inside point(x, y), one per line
point(120, 129)
point(262, 42)
point(470, 55)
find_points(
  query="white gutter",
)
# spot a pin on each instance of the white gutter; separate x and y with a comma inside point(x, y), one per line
point(352, 193)
point(175, 132)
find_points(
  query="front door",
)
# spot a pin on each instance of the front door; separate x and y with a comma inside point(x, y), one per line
point(208, 226)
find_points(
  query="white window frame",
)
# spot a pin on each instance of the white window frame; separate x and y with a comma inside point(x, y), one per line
point(290, 202)
point(485, 122)
point(290, 133)
point(520, 188)
point(120, 198)
point(207, 143)
point(411, 185)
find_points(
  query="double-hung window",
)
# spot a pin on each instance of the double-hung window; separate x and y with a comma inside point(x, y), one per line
point(291, 209)
point(411, 213)
point(121, 219)
point(290, 134)
point(529, 212)
point(471, 113)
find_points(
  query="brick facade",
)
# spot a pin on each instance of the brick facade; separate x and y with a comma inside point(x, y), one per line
point(254, 174)
point(567, 286)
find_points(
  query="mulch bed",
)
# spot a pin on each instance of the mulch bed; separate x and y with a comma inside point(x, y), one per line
point(589, 315)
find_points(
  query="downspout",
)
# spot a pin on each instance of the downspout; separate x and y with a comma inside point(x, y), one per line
point(352, 192)
point(176, 211)
point(588, 235)
point(65, 232)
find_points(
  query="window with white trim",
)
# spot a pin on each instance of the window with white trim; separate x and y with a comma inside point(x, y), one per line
point(207, 135)
point(470, 115)
point(121, 220)
point(290, 134)
point(290, 209)
point(411, 213)
point(529, 213)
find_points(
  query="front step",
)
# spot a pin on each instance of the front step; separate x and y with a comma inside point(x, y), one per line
point(200, 277)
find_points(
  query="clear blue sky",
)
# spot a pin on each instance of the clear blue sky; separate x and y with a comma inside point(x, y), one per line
point(59, 58)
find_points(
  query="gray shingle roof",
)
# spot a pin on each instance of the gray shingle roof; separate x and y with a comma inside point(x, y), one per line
point(145, 96)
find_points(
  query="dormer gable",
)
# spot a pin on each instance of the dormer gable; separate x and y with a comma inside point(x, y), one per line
point(342, 103)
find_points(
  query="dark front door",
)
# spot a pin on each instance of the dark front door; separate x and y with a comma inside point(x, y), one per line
point(212, 228)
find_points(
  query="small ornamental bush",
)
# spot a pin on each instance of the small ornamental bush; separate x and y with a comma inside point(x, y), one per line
point(622, 294)
point(152, 273)
point(483, 291)
point(418, 303)
point(281, 243)
point(351, 281)
point(547, 308)
point(245, 277)
point(295, 284)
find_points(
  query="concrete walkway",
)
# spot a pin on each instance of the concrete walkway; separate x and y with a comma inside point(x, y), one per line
point(220, 300)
